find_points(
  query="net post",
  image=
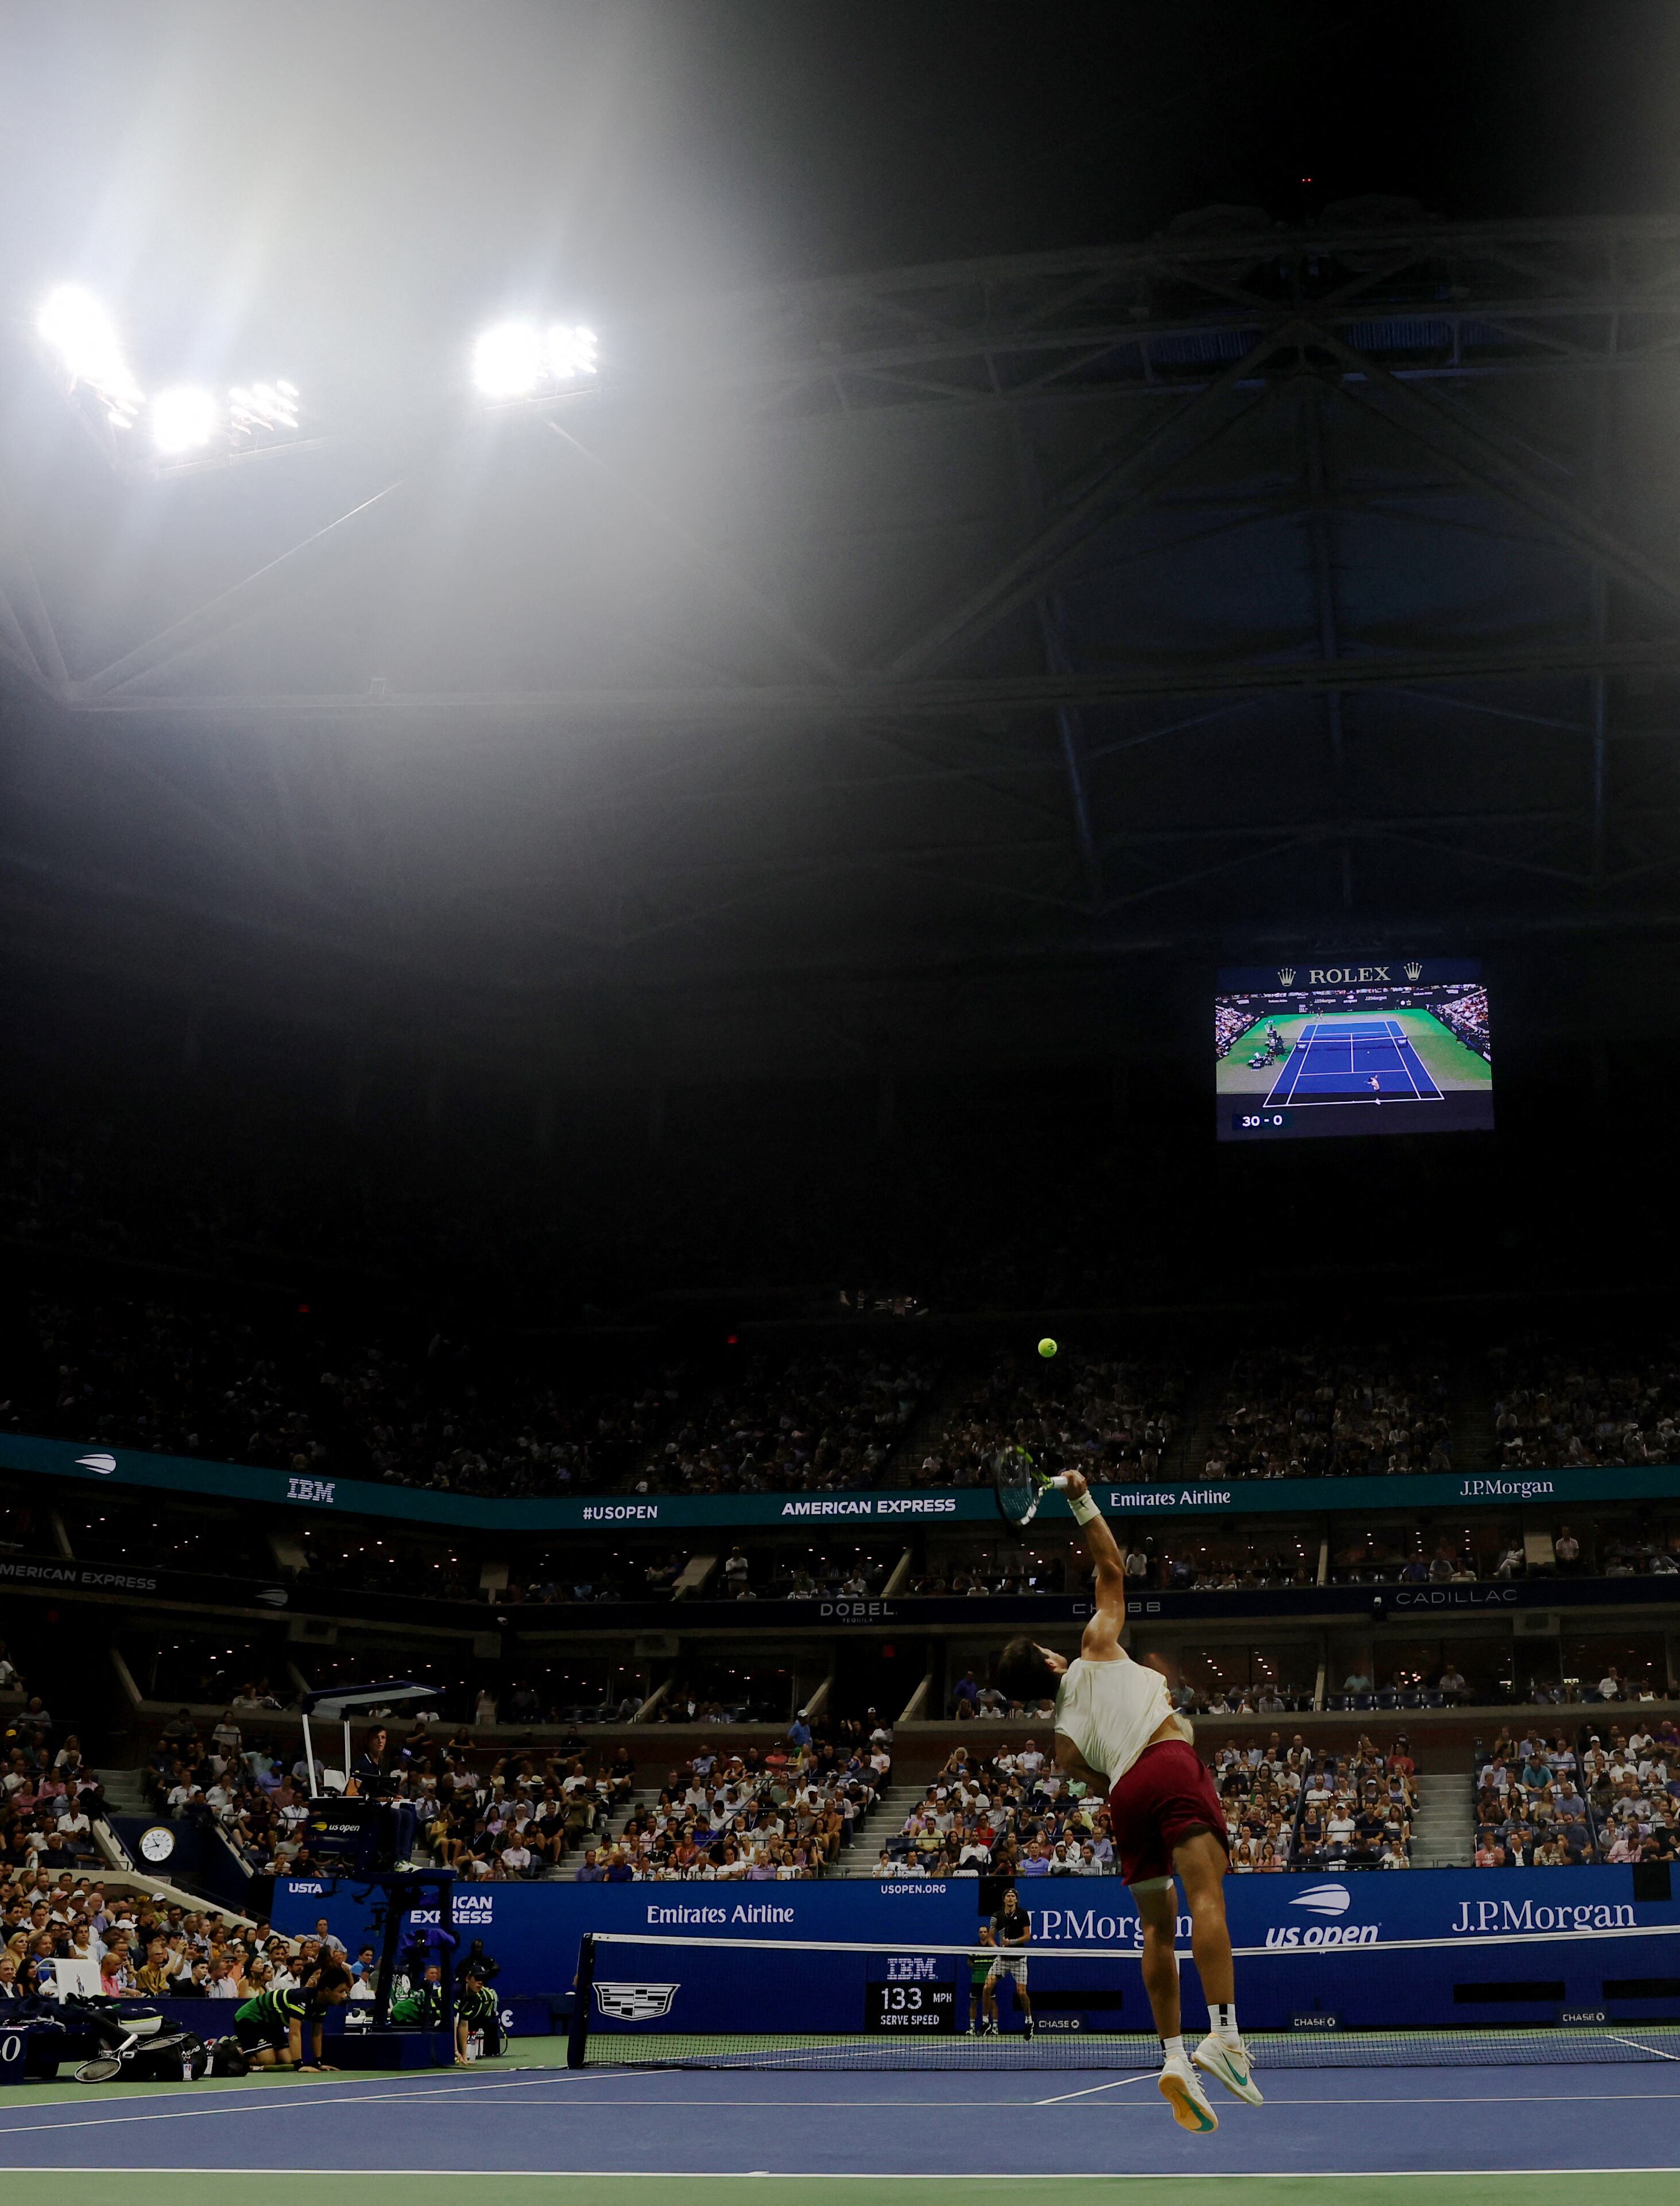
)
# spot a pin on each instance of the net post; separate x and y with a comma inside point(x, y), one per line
point(577, 2039)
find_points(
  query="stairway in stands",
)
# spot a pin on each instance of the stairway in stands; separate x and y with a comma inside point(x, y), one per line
point(125, 1791)
point(885, 1821)
point(1443, 1832)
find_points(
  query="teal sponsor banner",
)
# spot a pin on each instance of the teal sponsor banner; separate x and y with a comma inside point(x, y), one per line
point(891, 1508)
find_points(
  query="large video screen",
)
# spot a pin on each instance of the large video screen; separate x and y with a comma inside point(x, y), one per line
point(1368, 1046)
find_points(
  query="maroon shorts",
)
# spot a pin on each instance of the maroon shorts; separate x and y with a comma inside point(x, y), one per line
point(1165, 1796)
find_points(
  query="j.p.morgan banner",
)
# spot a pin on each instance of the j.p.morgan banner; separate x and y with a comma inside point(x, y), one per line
point(896, 1509)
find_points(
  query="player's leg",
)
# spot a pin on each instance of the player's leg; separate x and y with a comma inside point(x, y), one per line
point(1200, 1863)
point(989, 2001)
point(1157, 1901)
point(1021, 1998)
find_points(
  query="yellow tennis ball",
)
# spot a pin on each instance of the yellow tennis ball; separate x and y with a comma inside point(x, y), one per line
point(1046, 1348)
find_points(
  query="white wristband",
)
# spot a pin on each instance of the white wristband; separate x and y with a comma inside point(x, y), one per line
point(1085, 1509)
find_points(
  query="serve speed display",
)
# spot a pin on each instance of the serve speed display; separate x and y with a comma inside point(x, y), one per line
point(918, 2009)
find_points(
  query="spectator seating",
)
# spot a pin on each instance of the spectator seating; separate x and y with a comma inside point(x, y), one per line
point(1357, 1810)
point(810, 1423)
point(1110, 1419)
point(786, 1813)
point(1531, 1810)
point(1555, 1406)
point(1313, 1414)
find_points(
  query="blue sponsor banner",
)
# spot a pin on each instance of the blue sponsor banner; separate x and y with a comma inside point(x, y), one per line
point(1387, 1949)
point(533, 1930)
point(1437, 1948)
point(892, 1510)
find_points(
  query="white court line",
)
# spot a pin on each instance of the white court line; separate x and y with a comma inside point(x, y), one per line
point(883, 2175)
point(276, 2104)
point(994, 2105)
point(1654, 2049)
point(1399, 1052)
point(1119, 2084)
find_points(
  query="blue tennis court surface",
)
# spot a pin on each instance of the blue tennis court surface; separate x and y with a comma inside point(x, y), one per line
point(1444, 2122)
point(1361, 1060)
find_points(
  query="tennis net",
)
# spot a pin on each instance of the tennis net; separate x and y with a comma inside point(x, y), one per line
point(706, 2002)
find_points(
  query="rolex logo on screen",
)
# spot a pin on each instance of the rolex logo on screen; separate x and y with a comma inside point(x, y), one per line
point(1286, 975)
point(1413, 969)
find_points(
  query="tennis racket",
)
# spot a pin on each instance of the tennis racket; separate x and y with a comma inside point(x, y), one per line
point(1019, 1487)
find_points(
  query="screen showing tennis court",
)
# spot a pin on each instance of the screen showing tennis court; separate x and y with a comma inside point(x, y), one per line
point(1352, 1045)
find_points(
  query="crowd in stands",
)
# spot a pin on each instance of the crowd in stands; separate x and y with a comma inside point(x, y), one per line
point(1544, 1804)
point(1552, 1408)
point(1076, 1412)
point(50, 1796)
point(1183, 1561)
point(507, 1818)
point(1356, 1810)
point(147, 1948)
point(1008, 1810)
point(787, 1813)
point(815, 1423)
point(1463, 1013)
point(431, 1411)
point(1315, 1415)
point(1232, 1017)
point(1002, 1569)
point(181, 1380)
point(781, 1573)
point(1267, 1697)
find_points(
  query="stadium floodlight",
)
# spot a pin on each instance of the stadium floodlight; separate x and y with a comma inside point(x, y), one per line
point(184, 419)
point(82, 334)
point(258, 409)
point(571, 352)
point(507, 360)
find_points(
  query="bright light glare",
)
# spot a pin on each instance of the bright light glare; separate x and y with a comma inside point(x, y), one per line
point(571, 352)
point(83, 334)
point(253, 407)
point(507, 360)
point(183, 419)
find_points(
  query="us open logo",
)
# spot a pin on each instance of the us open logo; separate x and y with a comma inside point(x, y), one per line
point(1325, 1900)
point(635, 2002)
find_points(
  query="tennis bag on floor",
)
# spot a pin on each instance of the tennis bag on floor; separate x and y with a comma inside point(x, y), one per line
point(142, 2049)
point(227, 2057)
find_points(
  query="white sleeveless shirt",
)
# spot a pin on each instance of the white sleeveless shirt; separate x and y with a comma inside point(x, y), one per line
point(1111, 1710)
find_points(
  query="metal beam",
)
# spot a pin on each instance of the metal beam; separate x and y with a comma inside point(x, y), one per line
point(706, 561)
point(1126, 481)
point(789, 706)
point(241, 601)
point(1473, 449)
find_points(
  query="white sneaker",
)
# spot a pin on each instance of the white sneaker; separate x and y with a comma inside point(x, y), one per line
point(1230, 2064)
point(1181, 2087)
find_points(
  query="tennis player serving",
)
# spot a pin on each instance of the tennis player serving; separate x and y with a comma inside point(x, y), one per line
point(1117, 1729)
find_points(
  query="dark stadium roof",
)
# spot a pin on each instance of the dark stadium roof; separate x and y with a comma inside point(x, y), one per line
point(887, 665)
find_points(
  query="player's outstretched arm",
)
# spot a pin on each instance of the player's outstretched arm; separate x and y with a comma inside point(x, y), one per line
point(1102, 1633)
